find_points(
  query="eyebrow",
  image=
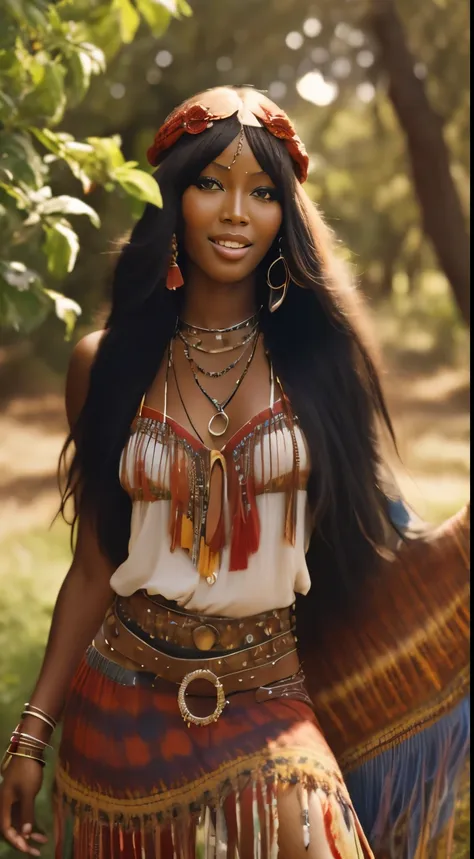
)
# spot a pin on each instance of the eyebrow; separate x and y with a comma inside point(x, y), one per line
point(223, 167)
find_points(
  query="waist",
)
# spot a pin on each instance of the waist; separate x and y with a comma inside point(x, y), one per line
point(164, 644)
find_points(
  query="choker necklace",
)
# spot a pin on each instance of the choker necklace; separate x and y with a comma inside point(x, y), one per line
point(195, 329)
point(197, 344)
point(215, 374)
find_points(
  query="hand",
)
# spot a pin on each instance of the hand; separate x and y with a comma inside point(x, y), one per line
point(21, 783)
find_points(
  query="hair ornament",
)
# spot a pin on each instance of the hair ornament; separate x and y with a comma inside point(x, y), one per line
point(251, 108)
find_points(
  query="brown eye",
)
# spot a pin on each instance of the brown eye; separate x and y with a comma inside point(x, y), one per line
point(266, 194)
point(208, 183)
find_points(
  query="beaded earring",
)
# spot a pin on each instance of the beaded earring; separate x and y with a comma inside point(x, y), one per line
point(174, 279)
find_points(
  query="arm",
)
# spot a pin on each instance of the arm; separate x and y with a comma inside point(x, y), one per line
point(79, 610)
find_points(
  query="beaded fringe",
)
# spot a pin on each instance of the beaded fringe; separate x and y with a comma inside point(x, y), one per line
point(161, 463)
point(244, 813)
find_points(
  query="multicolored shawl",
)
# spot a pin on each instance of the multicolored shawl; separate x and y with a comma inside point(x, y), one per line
point(390, 685)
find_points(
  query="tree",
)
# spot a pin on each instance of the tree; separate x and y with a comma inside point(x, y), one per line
point(442, 214)
point(48, 55)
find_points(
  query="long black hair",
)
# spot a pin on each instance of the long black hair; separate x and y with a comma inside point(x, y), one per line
point(324, 365)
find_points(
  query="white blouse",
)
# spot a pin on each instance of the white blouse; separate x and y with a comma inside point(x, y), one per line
point(254, 560)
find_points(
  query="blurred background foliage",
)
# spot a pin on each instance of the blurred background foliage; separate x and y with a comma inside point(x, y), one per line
point(379, 91)
point(48, 55)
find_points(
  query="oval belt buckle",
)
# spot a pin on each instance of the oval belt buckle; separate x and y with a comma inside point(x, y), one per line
point(189, 717)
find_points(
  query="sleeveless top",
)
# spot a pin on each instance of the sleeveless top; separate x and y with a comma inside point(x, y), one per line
point(254, 560)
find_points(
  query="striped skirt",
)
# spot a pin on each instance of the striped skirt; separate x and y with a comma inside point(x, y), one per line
point(134, 782)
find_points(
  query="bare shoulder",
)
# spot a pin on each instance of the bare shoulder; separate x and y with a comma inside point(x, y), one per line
point(77, 381)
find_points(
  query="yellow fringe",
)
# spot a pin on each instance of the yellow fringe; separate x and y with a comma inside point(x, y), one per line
point(318, 772)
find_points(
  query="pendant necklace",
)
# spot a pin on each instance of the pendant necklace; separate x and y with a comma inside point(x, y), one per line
point(221, 415)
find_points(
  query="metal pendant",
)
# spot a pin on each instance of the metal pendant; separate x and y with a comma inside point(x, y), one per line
point(219, 415)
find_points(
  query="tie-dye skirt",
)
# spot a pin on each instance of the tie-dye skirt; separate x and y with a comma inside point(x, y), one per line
point(134, 782)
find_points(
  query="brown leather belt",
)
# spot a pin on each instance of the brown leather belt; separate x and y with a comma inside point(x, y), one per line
point(251, 668)
point(165, 621)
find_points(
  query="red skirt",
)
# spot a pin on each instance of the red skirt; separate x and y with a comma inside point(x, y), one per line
point(134, 782)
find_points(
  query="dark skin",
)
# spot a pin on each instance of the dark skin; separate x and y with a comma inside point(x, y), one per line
point(219, 292)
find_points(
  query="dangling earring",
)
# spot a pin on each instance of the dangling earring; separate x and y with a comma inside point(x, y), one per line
point(174, 279)
point(275, 304)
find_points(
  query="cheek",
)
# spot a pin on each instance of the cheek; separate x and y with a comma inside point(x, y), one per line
point(199, 212)
point(267, 223)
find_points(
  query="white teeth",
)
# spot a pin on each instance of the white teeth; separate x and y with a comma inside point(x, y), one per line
point(230, 244)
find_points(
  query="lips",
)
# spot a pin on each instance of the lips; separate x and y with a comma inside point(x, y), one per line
point(231, 246)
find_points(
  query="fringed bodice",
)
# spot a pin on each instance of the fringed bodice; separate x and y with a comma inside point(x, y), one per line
point(220, 531)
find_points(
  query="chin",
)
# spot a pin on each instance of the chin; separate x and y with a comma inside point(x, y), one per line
point(231, 277)
point(228, 273)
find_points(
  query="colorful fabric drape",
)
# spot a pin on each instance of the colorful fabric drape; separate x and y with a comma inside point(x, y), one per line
point(390, 686)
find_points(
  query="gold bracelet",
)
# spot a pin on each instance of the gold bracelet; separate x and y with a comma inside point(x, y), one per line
point(21, 734)
point(25, 744)
point(45, 719)
point(7, 759)
point(30, 757)
point(43, 712)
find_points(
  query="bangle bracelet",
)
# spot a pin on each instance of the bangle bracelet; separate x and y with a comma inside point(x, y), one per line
point(42, 712)
point(20, 735)
point(25, 744)
point(7, 759)
point(30, 757)
point(27, 751)
point(46, 719)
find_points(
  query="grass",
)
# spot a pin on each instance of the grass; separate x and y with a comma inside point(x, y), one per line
point(32, 567)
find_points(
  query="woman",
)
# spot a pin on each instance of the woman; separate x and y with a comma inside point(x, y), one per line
point(250, 474)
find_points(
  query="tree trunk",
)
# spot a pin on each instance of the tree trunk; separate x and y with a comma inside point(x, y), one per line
point(442, 214)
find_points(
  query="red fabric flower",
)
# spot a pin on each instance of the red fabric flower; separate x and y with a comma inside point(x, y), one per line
point(196, 119)
point(278, 124)
point(192, 120)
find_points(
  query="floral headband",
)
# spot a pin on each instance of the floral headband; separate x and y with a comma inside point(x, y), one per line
point(252, 108)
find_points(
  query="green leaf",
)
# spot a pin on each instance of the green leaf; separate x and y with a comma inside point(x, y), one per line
point(139, 184)
point(47, 100)
point(79, 75)
point(20, 157)
point(129, 20)
point(96, 57)
point(107, 150)
point(17, 274)
point(23, 303)
point(48, 138)
point(184, 8)
point(155, 14)
point(66, 205)
point(16, 194)
point(66, 309)
point(61, 247)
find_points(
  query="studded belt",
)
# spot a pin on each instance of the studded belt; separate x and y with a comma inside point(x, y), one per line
point(163, 622)
point(218, 674)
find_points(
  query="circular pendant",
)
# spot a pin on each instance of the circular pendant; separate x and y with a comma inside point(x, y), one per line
point(224, 419)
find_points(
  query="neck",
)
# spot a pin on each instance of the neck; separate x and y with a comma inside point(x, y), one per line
point(212, 304)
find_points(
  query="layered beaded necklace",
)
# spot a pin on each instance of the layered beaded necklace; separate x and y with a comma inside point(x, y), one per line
point(192, 338)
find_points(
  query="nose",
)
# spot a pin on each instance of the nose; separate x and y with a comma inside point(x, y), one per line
point(234, 210)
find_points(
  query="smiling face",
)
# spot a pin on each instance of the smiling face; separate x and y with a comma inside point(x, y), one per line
point(231, 217)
